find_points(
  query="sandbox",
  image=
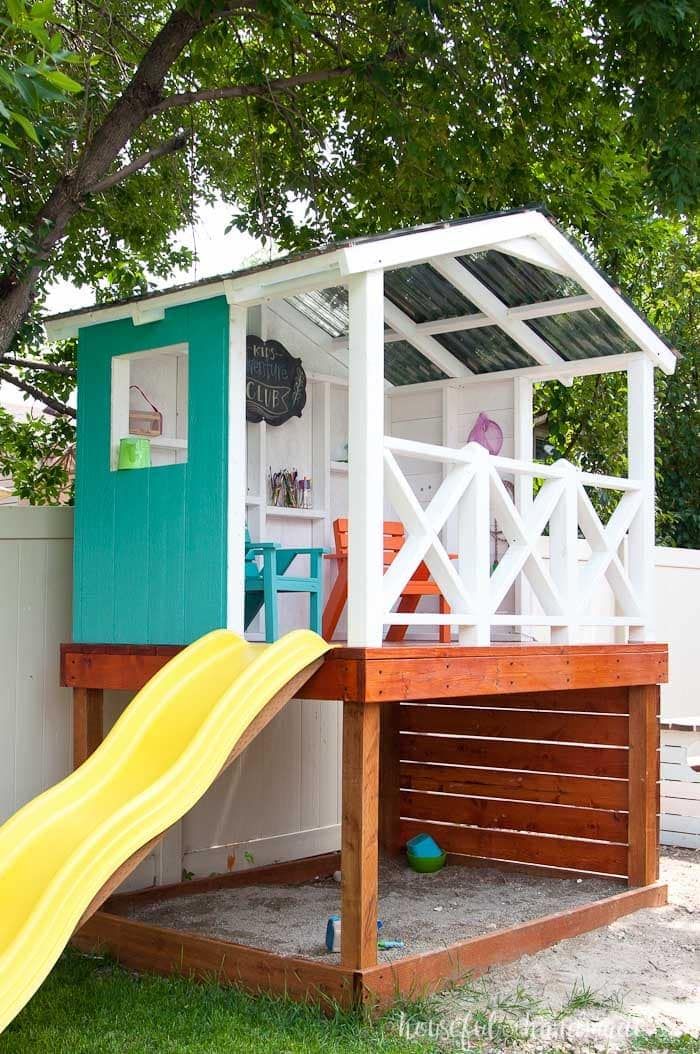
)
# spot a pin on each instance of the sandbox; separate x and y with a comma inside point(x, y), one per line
point(427, 912)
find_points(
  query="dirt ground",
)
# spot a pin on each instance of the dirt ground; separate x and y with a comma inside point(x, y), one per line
point(640, 974)
point(594, 992)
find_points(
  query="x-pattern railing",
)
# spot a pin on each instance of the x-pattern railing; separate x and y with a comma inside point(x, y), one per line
point(474, 492)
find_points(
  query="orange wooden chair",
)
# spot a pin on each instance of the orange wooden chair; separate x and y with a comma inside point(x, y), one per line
point(420, 585)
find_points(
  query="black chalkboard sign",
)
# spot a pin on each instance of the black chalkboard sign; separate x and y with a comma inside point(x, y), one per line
point(275, 382)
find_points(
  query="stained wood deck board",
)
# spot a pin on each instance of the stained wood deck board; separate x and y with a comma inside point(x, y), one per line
point(405, 671)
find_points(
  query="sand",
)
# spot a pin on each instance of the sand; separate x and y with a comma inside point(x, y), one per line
point(425, 911)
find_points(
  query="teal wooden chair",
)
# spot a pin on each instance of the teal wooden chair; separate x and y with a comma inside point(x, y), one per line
point(264, 582)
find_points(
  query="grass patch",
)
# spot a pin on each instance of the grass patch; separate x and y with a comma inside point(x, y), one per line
point(662, 1041)
point(583, 997)
point(91, 1006)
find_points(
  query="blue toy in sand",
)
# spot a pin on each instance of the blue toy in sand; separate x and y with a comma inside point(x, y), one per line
point(424, 854)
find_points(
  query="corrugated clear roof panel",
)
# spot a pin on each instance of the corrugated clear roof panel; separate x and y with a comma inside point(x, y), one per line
point(404, 365)
point(485, 350)
point(424, 295)
point(517, 282)
point(326, 308)
point(583, 334)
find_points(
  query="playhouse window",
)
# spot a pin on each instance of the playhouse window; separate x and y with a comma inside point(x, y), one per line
point(150, 401)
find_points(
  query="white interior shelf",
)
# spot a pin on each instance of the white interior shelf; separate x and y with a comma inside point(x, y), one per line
point(168, 442)
point(299, 514)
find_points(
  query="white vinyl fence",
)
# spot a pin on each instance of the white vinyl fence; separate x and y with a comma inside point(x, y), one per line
point(36, 553)
point(678, 622)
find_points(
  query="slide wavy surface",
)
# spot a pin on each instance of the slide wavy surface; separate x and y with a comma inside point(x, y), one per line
point(169, 745)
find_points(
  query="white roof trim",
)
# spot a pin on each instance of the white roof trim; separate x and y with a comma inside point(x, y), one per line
point(528, 235)
point(532, 251)
point(615, 305)
point(420, 246)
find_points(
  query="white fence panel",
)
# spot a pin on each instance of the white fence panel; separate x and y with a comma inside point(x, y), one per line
point(36, 549)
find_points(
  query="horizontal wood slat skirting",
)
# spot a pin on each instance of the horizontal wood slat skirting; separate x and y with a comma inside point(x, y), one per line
point(577, 700)
point(549, 788)
point(570, 759)
point(575, 854)
point(516, 816)
point(597, 729)
point(553, 788)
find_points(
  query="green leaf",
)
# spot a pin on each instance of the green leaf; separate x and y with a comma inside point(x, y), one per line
point(16, 10)
point(6, 141)
point(42, 9)
point(62, 81)
point(26, 126)
point(38, 31)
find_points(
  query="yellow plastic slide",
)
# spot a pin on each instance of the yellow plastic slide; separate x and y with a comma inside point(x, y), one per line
point(60, 850)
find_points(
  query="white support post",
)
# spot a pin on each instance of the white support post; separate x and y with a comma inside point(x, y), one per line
point(563, 555)
point(474, 548)
point(235, 582)
point(450, 438)
point(366, 465)
point(523, 450)
point(640, 456)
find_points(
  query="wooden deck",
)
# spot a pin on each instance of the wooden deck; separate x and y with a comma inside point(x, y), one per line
point(545, 757)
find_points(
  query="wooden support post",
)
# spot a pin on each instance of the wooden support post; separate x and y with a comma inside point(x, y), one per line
point(643, 852)
point(87, 722)
point(359, 846)
point(389, 778)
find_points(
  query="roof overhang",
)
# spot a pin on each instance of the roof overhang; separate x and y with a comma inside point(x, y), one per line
point(527, 236)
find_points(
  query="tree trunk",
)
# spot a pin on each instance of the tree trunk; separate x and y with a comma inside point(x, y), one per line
point(134, 106)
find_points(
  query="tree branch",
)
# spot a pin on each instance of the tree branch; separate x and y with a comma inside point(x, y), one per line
point(243, 91)
point(31, 364)
point(168, 147)
point(30, 389)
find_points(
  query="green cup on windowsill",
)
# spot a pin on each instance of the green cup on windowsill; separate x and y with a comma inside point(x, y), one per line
point(134, 452)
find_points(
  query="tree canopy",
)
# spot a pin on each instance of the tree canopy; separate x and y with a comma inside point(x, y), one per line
point(388, 113)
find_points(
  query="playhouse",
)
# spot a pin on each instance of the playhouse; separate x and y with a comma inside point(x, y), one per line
point(359, 420)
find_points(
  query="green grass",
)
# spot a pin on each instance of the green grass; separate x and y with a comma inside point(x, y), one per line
point(662, 1041)
point(583, 997)
point(91, 1006)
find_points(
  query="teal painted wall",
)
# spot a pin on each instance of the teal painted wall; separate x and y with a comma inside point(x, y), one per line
point(150, 545)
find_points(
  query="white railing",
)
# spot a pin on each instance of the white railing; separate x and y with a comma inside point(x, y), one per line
point(471, 497)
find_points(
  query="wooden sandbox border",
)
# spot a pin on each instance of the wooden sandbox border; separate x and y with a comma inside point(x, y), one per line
point(172, 952)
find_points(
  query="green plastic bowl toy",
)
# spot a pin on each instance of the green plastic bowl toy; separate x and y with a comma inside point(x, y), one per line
point(424, 854)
